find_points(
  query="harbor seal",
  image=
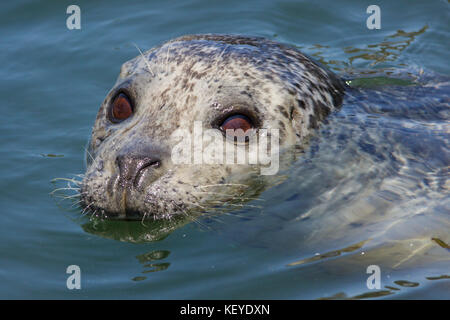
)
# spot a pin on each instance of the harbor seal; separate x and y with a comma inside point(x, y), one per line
point(220, 81)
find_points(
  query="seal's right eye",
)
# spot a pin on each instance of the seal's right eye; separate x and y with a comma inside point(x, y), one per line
point(121, 108)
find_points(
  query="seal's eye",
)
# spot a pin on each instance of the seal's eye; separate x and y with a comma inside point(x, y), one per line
point(237, 121)
point(121, 108)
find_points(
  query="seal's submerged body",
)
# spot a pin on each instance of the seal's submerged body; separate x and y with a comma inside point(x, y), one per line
point(220, 81)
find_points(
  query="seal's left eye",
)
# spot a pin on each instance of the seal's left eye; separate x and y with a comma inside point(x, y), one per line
point(121, 108)
point(238, 121)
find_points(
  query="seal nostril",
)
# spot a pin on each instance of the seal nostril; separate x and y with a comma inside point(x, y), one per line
point(132, 168)
point(142, 172)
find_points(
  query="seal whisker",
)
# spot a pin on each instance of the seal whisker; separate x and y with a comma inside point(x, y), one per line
point(192, 218)
point(86, 208)
point(77, 182)
point(233, 215)
point(234, 197)
point(93, 214)
point(195, 204)
point(89, 154)
point(143, 218)
point(167, 59)
point(145, 60)
point(240, 205)
point(94, 161)
point(224, 184)
point(197, 221)
point(216, 65)
point(75, 203)
point(81, 175)
point(58, 189)
point(68, 197)
point(215, 217)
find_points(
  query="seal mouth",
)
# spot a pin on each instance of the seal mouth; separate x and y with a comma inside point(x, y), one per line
point(128, 211)
point(125, 199)
point(122, 196)
point(125, 213)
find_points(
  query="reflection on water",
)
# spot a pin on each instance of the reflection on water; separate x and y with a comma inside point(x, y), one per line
point(387, 50)
point(132, 231)
point(152, 256)
point(441, 243)
point(407, 284)
point(330, 254)
point(444, 276)
point(381, 293)
point(366, 295)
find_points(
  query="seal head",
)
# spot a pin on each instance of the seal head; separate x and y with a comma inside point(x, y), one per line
point(217, 81)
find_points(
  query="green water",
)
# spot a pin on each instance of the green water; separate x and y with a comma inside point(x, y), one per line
point(53, 80)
